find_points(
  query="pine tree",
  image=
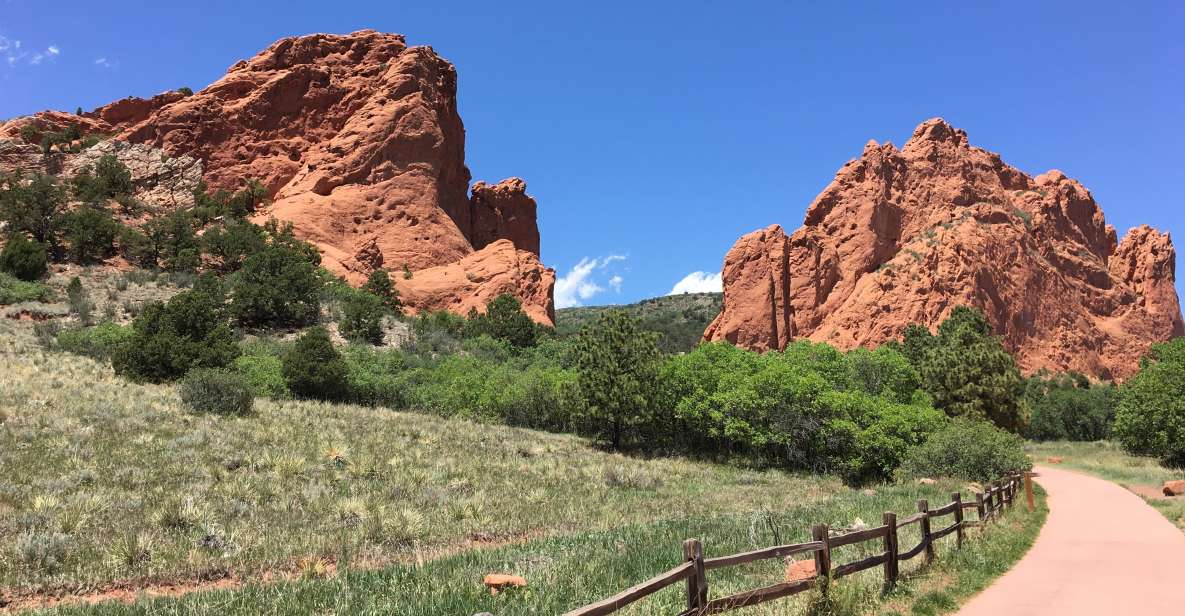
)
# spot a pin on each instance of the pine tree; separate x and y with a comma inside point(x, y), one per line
point(618, 365)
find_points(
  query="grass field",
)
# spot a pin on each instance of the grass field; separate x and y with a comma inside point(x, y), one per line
point(1107, 460)
point(112, 490)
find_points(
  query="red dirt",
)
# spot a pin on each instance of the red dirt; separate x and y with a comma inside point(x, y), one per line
point(1102, 551)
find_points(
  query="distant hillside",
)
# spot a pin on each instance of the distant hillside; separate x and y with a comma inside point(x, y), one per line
point(679, 319)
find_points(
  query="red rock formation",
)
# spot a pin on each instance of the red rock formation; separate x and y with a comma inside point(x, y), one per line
point(904, 236)
point(358, 141)
point(503, 210)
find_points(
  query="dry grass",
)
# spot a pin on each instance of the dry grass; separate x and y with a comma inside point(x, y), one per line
point(104, 481)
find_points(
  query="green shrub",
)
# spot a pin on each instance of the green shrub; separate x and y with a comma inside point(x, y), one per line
point(276, 287)
point(99, 342)
point(362, 318)
point(79, 300)
point(1150, 419)
point(34, 207)
point(23, 258)
point(313, 369)
point(15, 291)
point(967, 449)
point(375, 377)
point(232, 242)
point(263, 370)
point(503, 319)
point(1069, 407)
point(169, 340)
point(379, 284)
point(171, 242)
point(109, 179)
point(90, 234)
point(217, 392)
point(868, 437)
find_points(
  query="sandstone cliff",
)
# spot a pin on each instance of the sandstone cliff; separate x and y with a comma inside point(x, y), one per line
point(358, 141)
point(905, 235)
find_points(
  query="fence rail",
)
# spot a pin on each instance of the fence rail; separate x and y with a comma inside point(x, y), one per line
point(988, 504)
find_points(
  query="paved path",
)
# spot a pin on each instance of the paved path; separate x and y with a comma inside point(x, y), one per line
point(1103, 551)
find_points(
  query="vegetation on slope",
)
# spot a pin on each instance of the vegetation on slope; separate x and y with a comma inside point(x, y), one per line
point(679, 320)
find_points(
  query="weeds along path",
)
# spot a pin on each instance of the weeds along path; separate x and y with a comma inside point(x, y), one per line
point(1102, 550)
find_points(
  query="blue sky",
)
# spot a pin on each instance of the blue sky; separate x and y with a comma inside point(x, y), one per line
point(653, 136)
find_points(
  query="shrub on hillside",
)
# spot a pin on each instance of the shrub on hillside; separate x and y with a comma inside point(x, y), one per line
point(967, 449)
point(34, 207)
point(90, 234)
point(868, 437)
point(1150, 419)
point(216, 392)
point(362, 318)
point(169, 340)
point(23, 258)
point(313, 369)
point(379, 284)
point(276, 287)
point(503, 319)
point(232, 242)
point(100, 342)
point(1069, 407)
point(375, 376)
point(16, 291)
point(261, 366)
point(79, 300)
point(109, 179)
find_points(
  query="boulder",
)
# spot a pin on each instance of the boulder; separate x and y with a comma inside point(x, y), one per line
point(1174, 488)
point(498, 582)
point(926, 481)
point(905, 235)
point(800, 570)
point(1054, 459)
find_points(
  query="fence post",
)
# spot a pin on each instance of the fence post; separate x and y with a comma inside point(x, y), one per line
point(980, 508)
point(959, 531)
point(697, 584)
point(924, 507)
point(890, 521)
point(1029, 490)
point(1011, 491)
point(823, 556)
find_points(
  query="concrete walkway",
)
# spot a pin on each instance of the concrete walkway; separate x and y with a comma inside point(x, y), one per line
point(1102, 550)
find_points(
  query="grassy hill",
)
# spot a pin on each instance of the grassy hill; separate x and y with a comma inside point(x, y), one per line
point(112, 491)
point(680, 320)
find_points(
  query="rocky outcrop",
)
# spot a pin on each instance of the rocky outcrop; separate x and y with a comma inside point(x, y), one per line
point(160, 180)
point(359, 144)
point(904, 235)
point(503, 210)
point(473, 281)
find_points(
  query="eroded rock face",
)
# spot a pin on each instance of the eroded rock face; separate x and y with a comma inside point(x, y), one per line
point(358, 141)
point(904, 236)
point(480, 277)
point(160, 180)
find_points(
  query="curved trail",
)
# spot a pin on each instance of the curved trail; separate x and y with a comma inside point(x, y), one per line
point(1102, 551)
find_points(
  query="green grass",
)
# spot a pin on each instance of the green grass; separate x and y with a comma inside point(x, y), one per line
point(321, 508)
point(1108, 460)
point(103, 462)
point(566, 572)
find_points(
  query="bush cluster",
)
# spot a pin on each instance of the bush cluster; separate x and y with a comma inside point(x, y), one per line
point(1069, 407)
point(217, 392)
point(1150, 418)
point(968, 449)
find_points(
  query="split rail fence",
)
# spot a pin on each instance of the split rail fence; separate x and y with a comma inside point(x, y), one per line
point(988, 504)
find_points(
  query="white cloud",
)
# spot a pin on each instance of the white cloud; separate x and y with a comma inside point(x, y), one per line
point(11, 50)
point(105, 63)
point(580, 284)
point(699, 282)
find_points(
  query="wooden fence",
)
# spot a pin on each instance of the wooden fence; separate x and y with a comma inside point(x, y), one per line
point(988, 504)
